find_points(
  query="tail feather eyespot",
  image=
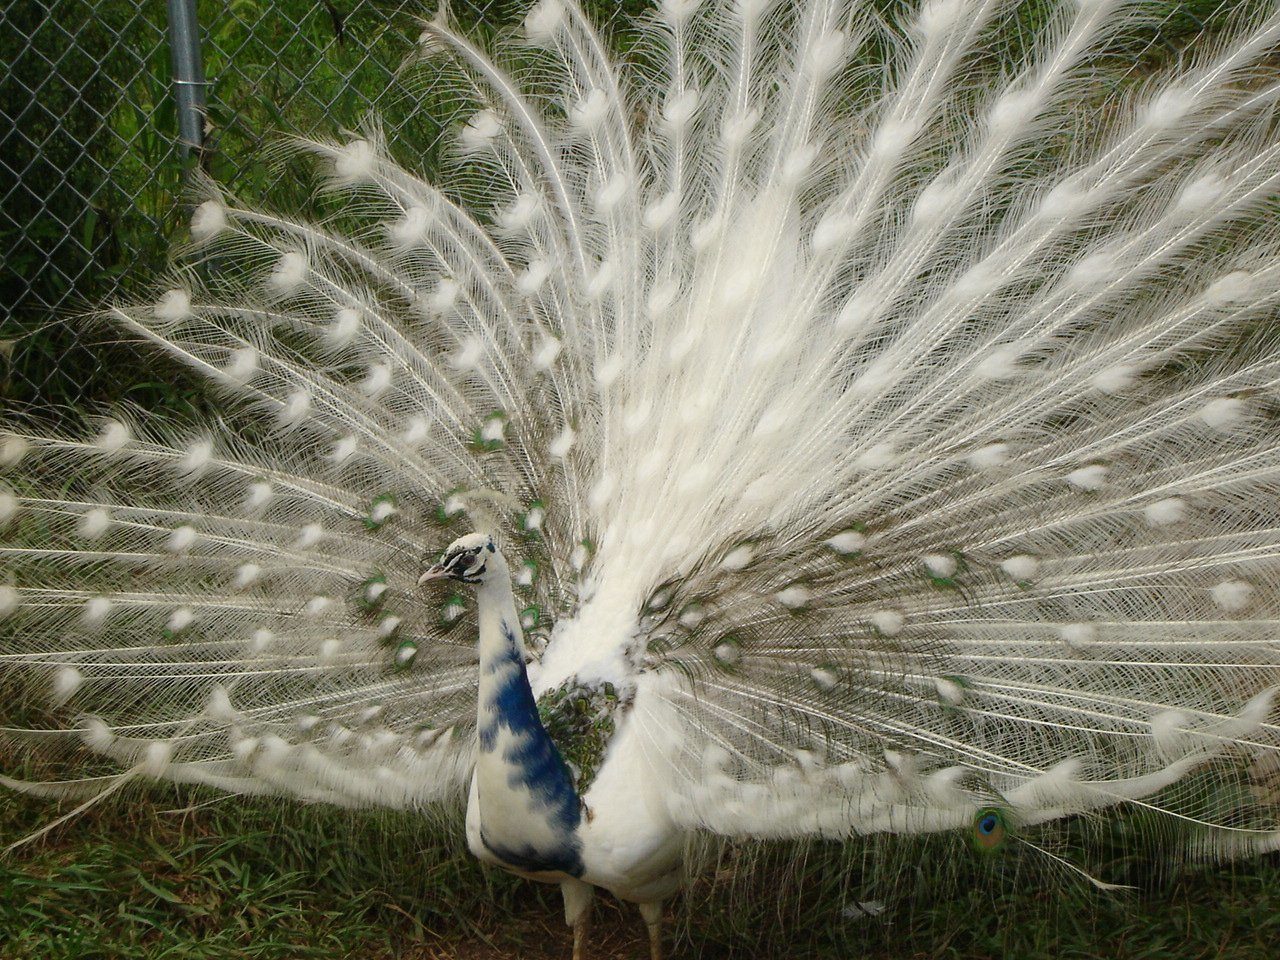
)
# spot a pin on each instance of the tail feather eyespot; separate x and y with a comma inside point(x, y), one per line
point(990, 829)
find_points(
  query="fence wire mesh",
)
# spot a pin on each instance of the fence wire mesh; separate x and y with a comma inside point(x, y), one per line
point(92, 176)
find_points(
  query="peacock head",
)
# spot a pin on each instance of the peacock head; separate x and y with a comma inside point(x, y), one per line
point(471, 559)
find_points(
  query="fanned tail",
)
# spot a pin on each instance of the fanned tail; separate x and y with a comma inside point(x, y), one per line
point(982, 428)
point(235, 604)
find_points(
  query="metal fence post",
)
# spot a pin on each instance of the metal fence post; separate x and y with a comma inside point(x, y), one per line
point(188, 73)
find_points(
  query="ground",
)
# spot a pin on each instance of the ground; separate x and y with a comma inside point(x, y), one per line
point(616, 934)
point(184, 877)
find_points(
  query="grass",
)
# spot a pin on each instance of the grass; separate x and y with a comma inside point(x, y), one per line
point(151, 879)
point(168, 875)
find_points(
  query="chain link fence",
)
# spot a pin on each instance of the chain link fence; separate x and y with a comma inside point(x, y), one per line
point(92, 169)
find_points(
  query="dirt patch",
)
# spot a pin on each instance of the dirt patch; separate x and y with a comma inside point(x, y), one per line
point(617, 933)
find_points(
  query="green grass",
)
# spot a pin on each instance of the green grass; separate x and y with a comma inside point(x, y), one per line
point(154, 878)
point(181, 877)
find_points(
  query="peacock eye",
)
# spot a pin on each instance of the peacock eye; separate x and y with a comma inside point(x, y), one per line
point(989, 830)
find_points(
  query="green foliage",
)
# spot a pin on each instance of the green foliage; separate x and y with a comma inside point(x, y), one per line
point(96, 172)
point(101, 183)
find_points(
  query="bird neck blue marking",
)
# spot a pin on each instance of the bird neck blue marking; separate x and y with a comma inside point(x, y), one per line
point(511, 737)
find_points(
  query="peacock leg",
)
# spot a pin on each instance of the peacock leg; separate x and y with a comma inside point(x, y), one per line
point(580, 934)
point(652, 913)
point(577, 912)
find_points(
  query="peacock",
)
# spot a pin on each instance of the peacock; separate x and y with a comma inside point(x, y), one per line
point(825, 419)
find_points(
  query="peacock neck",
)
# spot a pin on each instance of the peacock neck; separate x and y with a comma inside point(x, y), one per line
point(529, 810)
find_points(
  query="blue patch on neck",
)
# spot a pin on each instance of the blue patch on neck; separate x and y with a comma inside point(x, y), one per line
point(566, 858)
point(534, 763)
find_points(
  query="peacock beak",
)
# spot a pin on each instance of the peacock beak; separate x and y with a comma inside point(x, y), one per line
point(437, 572)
